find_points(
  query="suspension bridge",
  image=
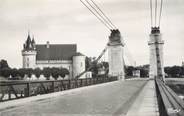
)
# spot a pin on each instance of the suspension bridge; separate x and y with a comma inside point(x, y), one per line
point(112, 95)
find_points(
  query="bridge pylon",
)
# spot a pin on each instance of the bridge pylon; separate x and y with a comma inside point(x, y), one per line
point(156, 54)
point(115, 55)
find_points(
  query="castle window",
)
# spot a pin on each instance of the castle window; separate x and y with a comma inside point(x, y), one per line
point(27, 62)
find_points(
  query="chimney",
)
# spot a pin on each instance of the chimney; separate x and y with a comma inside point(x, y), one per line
point(47, 45)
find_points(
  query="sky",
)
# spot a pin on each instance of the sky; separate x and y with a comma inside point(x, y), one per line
point(69, 22)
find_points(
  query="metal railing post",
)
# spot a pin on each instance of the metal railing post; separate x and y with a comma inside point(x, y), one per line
point(28, 89)
point(9, 93)
point(69, 84)
point(52, 86)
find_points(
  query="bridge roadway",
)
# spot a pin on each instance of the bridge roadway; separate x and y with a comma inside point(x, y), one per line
point(120, 98)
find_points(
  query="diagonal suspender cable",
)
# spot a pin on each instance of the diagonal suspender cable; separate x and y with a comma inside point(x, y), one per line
point(95, 15)
point(110, 22)
point(160, 12)
point(99, 14)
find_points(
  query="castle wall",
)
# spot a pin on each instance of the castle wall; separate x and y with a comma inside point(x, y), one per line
point(78, 65)
point(38, 56)
point(29, 59)
point(56, 63)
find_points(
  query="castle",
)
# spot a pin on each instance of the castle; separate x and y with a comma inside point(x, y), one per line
point(53, 55)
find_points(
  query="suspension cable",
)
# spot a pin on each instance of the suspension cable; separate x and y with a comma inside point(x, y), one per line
point(99, 14)
point(160, 12)
point(110, 22)
point(151, 13)
point(96, 15)
point(155, 13)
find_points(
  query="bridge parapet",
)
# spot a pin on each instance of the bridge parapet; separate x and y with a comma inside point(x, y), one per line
point(10, 90)
point(169, 103)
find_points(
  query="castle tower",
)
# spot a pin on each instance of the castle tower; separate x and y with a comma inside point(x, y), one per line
point(156, 54)
point(115, 55)
point(79, 64)
point(29, 53)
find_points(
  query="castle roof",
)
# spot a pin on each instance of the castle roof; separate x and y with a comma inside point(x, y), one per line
point(29, 44)
point(78, 54)
point(55, 51)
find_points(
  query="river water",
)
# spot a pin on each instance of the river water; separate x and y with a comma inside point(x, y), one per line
point(178, 89)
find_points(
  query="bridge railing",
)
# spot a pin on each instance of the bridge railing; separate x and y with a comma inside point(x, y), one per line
point(168, 101)
point(10, 90)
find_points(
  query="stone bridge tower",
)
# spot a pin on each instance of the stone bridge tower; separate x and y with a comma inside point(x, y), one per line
point(115, 55)
point(156, 54)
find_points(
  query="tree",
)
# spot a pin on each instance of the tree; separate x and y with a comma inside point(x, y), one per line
point(144, 70)
point(182, 71)
point(88, 62)
point(22, 72)
point(47, 72)
point(129, 70)
point(166, 70)
point(3, 64)
point(14, 73)
point(105, 65)
point(94, 69)
point(29, 72)
point(37, 72)
point(175, 71)
point(143, 73)
point(55, 72)
point(4, 68)
point(64, 72)
point(6, 72)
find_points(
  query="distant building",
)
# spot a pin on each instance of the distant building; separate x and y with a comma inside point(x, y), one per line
point(101, 71)
point(53, 55)
point(136, 73)
point(183, 64)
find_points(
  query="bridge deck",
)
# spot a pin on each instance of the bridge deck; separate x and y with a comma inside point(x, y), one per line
point(146, 103)
point(115, 98)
